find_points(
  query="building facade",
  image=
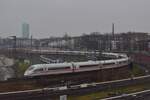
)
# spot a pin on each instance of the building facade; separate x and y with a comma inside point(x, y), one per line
point(25, 30)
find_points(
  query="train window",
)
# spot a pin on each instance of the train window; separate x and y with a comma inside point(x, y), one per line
point(37, 70)
point(88, 65)
point(30, 68)
point(108, 63)
point(58, 68)
point(120, 62)
point(124, 61)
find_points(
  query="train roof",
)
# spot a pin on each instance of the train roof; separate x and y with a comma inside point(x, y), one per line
point(51, 65)
point(124, 57)
point(87, 63)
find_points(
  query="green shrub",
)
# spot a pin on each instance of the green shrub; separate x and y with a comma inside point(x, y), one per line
point(21, 67)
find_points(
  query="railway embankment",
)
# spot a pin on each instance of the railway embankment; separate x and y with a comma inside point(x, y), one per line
point(27, 83)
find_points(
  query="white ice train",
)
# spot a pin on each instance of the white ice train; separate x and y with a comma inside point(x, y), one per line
point(74, 67)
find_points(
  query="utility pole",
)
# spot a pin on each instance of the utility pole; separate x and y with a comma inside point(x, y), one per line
point(14, 46)
point(14, 54)
point(31, 50)
point(113, 31)
point(31, 42)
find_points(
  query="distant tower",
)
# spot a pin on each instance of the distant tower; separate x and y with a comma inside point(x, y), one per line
point(25, 30)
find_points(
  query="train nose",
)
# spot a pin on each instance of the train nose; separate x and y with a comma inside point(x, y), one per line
point(27, 73)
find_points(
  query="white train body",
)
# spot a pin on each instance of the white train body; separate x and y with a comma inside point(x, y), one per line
point(61, 68)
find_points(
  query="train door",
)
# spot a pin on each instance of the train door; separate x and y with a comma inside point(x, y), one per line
point(45, 69)
point(73, 67)
point(117, 64)
point(77, 67)
point(100, 65)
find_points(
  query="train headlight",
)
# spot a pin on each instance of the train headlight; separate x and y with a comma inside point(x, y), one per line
point(27, 73)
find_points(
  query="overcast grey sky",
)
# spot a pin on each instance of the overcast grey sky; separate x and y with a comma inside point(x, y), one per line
point(55, 17)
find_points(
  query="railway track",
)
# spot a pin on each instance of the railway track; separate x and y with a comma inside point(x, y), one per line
point(74, 89)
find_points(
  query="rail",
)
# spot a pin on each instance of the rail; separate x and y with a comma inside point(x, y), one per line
point(99, 85)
